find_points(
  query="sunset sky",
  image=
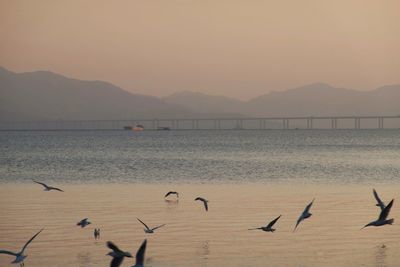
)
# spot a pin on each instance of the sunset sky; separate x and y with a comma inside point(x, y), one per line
point(238, 48)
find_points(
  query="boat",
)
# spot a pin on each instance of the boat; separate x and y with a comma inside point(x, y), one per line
point(138, 128)
point(163, 128)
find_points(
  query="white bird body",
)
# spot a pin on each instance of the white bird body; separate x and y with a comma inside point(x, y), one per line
point(147, 229)
point(306, 214)
point(19, 256)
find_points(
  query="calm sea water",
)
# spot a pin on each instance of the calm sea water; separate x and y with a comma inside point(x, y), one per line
point(249, 177)
point(232, 156)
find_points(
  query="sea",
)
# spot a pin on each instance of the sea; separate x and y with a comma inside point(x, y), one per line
point(249, 177)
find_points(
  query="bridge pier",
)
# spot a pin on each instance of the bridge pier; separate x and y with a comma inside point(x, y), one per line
point(380, 122)
point(357, 123)
point(334, 123)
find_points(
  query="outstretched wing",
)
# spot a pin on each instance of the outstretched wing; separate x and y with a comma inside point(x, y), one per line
point(140, 254)
point(55, 188)
point(307, 209)
point(385, 212)
point(380, 203)
point(8, 252)
point(43, 184)
point(298, 222)
point(30, 240)
point(273, 222)
point(158, 227)
point(205, 205)
point(112, 246)
point(143, 224)
point(116, 261)
point(167, 194)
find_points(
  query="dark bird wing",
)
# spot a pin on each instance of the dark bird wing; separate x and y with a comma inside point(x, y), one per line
point(273, 222)
point(112, 246)
point(380, 203)
point(30, 240)
point(307, 209)
point(158, 227)
point(140, 253)
point(55, 188)
point(143, 224)
point(8, 252)
point(43, 184)
point(205, 205)
point(298, 222)
point(385, 212)
point(169, 193)
point(199, 198)
point(116, 261)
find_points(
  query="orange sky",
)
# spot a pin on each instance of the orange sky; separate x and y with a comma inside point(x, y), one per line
point(238, 48)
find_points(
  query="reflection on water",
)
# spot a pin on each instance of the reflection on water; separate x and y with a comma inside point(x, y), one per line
point(203, 249)
point(83, 259)
point(380, 256)
point(193, 237)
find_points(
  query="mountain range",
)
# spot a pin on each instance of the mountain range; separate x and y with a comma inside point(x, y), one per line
point(44, 95)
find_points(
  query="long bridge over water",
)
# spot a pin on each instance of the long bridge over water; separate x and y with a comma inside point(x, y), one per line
point(251, 123)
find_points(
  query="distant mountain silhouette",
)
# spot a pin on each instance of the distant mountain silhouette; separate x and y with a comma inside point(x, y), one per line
point(44, 95)
point(316, 99)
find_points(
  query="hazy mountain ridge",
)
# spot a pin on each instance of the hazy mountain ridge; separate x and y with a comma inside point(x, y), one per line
point(318, 99)
point(44, 95)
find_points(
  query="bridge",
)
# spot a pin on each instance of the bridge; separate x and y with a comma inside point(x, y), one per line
point(250, 123)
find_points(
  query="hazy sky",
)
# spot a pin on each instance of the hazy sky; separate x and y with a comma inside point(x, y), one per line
point(238, 48)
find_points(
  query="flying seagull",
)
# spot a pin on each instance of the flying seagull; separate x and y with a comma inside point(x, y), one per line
point(205, 202)
point(140, 255)
point(306, 214)
point(117, 254)
point(268, 228)
point(83, 223)
point(48, 188)
point(149, 230)
point(172, 193)
point(379, 201)
point(19, 256)
point(382, 220)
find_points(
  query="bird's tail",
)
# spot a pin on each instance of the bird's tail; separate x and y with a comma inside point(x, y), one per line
point(254, 228)
point(390, 221)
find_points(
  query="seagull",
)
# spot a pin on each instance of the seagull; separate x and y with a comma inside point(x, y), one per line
point(49, 188)
point(205, 201)
point(172, 193)
point(83, 223)
point(268, 228)
point(140, 255)
point(96, 233)
point(306, 214)
point(382, 220)
point(117, 254)
point(380, 202)
point(149, 230)
point(19, 256)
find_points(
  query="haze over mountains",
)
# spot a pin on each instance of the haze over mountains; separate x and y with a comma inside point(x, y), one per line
point(44, 95)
